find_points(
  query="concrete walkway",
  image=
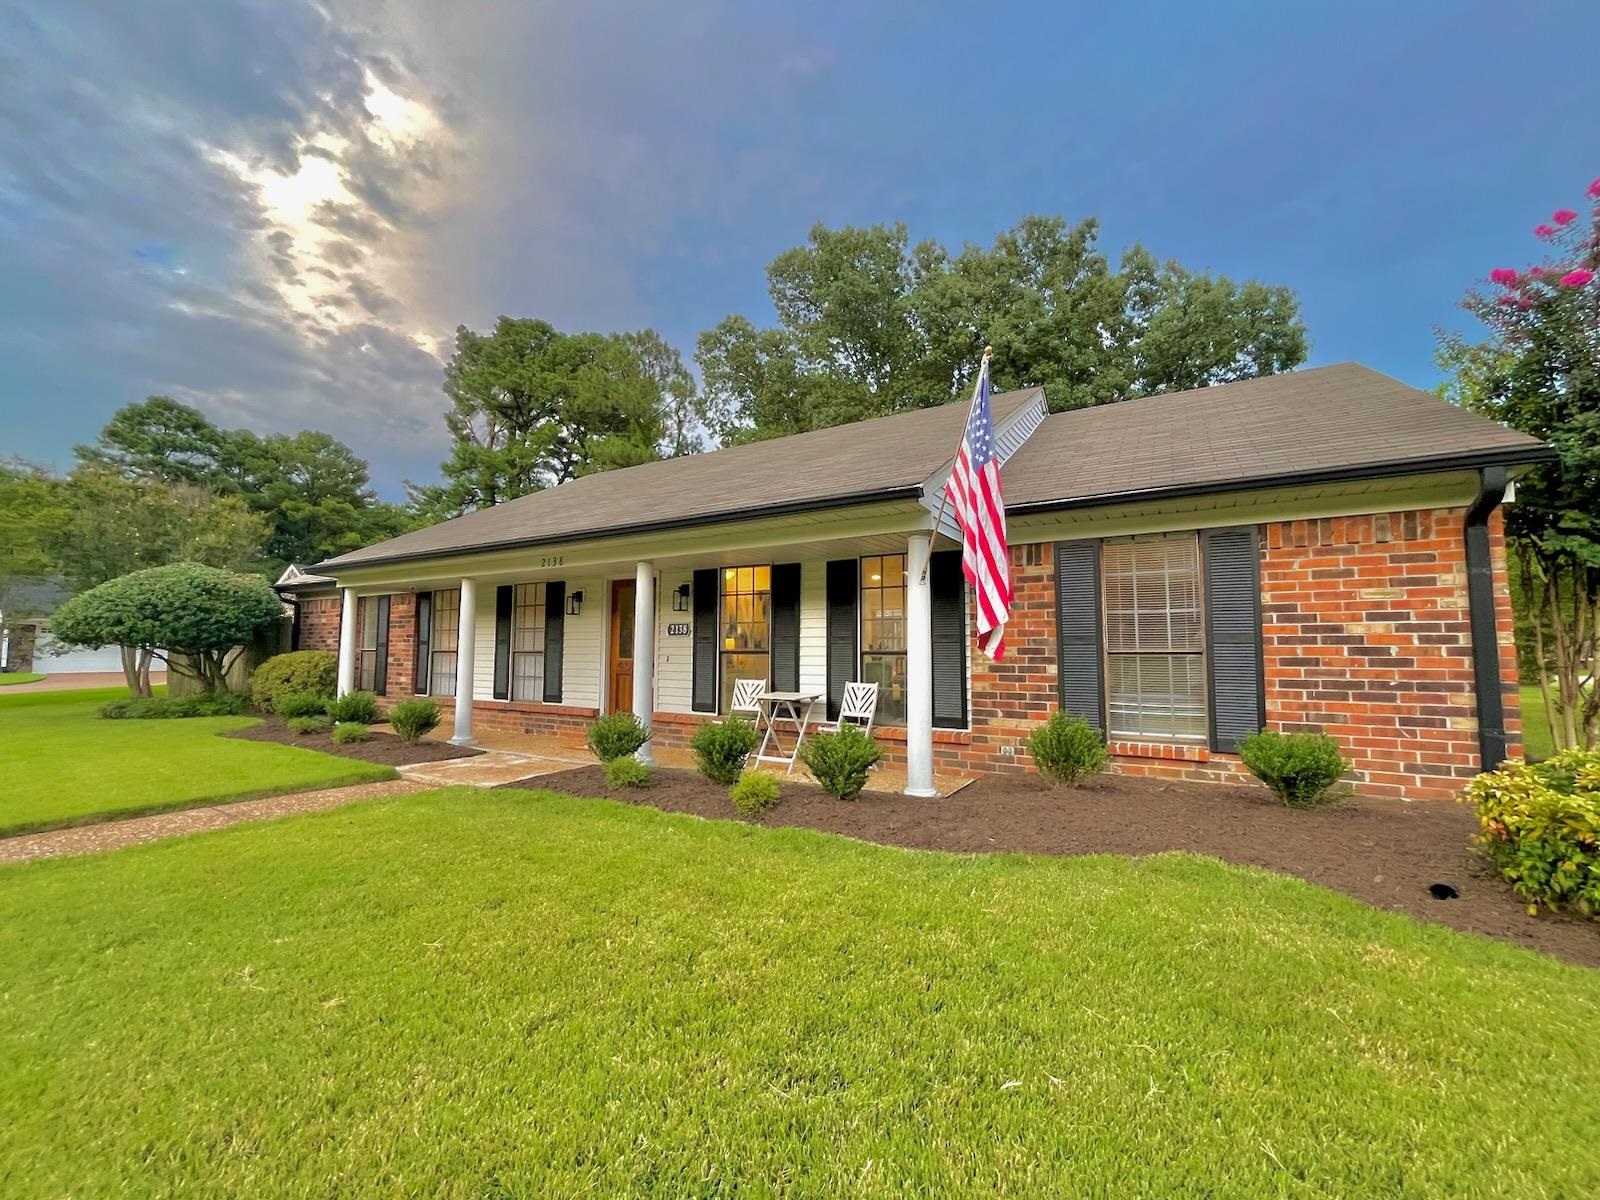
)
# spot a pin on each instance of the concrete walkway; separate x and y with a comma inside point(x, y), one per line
point(113, 835)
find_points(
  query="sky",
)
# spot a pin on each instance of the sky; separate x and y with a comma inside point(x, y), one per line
point(280, 211)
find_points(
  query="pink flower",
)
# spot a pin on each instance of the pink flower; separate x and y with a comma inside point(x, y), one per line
point(1503, 275)
point(1544, 231)
point(1564, 216)
point(1594, 190)
point(1577, 278)
point(1508, 301)
point(1536, 272)
point(1524, 304)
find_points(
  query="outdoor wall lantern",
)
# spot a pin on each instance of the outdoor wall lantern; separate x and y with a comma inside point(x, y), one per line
point(575, 604)
point(680, 598)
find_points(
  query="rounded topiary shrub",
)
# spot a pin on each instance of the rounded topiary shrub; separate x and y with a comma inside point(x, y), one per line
point(1067, 749)
point(615, 735)
point(414, 719)
point(350, 731)
point(627, 772)
point(840, 761)
point(1300, 768)
point(754, 793)
point(290, 705)
point(314, 671)
point(356, 708)
point(721, 747)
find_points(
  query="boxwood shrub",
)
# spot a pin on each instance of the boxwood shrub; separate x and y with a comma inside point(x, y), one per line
point(299, 704)
point(1300, 768)
point(414, 719)
point(627, 772)
point(314, 671)
point(306, 726)
point(840, 761)
point(355, 708)
point(1067, 749)
point(350, 731)
point(615, 735)
point(754, 793)
point(1540, 826)
point(721, 748)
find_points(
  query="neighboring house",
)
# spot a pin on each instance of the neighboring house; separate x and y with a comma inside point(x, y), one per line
point(25, 641)
point(1318, 550)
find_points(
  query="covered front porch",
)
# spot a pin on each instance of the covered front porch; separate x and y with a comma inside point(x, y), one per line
point(526, 646)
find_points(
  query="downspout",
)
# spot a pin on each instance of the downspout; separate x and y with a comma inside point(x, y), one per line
point(294, 623)
point(1480, 610)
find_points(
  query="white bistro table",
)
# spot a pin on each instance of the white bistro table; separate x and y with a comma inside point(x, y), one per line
point(791, 709)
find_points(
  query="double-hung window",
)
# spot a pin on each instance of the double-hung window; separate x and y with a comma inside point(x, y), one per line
point(746, 626)
point(883, 633)
point(1154, 638)
point(367, 656)
point(444, 642)
point(527, 642)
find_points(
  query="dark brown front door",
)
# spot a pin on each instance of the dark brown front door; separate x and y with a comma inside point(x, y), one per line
point(622, 645)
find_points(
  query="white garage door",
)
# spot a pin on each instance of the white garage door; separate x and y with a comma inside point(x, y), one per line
point(75, 662)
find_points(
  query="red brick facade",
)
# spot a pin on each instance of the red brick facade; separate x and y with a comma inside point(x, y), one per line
point(1365, 635)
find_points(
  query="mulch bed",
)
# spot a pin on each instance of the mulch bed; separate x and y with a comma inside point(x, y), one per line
point(383, 748)
point(1384, 852)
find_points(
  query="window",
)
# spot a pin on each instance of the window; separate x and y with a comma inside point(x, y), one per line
point(444, 643)
point(527, 642)
point(746, 627)
point(883, 633)
point(367, 654)
point(1155, 638)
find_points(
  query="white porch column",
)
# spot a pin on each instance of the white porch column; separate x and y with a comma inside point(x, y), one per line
point(919, 669)
point(466, 643)
point(347, 643)
point(644, 651)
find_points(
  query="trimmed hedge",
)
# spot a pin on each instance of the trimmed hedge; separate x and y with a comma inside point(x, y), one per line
point(160, 708)
point(314, 671)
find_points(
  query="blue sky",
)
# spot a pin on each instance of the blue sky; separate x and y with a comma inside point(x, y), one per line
point(280, 211)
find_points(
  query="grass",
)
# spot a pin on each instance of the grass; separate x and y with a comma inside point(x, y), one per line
point(467, 993)
point(10, 677)
point(1536, 740)
point(65, 766)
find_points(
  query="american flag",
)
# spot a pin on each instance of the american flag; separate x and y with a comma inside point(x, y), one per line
point(980, 511)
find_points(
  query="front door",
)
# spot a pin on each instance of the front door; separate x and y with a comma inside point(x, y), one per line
point(622, 591)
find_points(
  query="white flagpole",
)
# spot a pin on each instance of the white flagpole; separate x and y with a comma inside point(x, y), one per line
point(944, 494)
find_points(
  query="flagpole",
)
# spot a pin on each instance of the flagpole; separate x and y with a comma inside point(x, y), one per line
point(944, 494)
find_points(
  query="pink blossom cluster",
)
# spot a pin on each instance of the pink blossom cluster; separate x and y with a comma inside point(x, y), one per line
point(1507, 277)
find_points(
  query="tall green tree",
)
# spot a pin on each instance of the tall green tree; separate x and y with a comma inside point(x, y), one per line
point(1538, 370)
point(33, 515)
point(869, 324)
point(532, 407)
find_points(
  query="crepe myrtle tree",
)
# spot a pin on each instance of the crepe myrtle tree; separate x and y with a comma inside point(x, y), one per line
point(1539, 371)
point(196, 619)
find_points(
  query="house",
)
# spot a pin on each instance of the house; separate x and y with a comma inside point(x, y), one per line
point(1320, 550)
point(26, 645)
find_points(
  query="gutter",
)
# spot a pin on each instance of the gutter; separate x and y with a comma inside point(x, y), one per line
point(294, 622)
point(1509, 457)
point(1480, 608)
point(911, 491)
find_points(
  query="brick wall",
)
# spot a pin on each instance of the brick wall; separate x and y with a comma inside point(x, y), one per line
point(402, 658)
point(1367, 636)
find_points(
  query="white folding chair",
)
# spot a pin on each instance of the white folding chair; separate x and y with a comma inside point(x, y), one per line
point(747, 695)
point(859, 706)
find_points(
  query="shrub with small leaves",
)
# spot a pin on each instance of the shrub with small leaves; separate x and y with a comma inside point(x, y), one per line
point(161, 708)
point(346, 732)
point(300, 704)
point(355, 708)
point(1067, 749)
point(306, 726)
point(754, 793)
point(840, 761)
point(627, 772)
point(1300, 768)
point(1540, 826)
point(615, 735)
point(414, 719)
point(314, 671)
point(721, 748)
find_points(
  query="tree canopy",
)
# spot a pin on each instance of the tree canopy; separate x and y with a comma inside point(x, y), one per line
point(869, 324)
point(531, 407)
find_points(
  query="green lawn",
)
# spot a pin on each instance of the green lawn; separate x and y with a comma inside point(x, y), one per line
point(10, 677)
point(1536, 740)
point(60, 764)
point(471, 994)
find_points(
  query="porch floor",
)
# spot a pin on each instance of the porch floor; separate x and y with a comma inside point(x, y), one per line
point(509, 757)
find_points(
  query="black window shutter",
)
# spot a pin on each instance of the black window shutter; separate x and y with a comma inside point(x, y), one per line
point(786, 627)
point(380, 674)
point(419, 677)
point(844, 595)
point(703, 689)
point(947, 594)
point(1233, 634)
point(503, 596)
point(1079, 665)
point(555, 623)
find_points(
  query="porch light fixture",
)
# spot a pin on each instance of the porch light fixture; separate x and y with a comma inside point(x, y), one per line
point(680, 598)
point(575, 603)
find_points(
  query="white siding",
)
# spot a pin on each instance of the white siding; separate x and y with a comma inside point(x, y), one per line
point(674, 654)
point(483, 643)
point(583, 644)
point(814, 627)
